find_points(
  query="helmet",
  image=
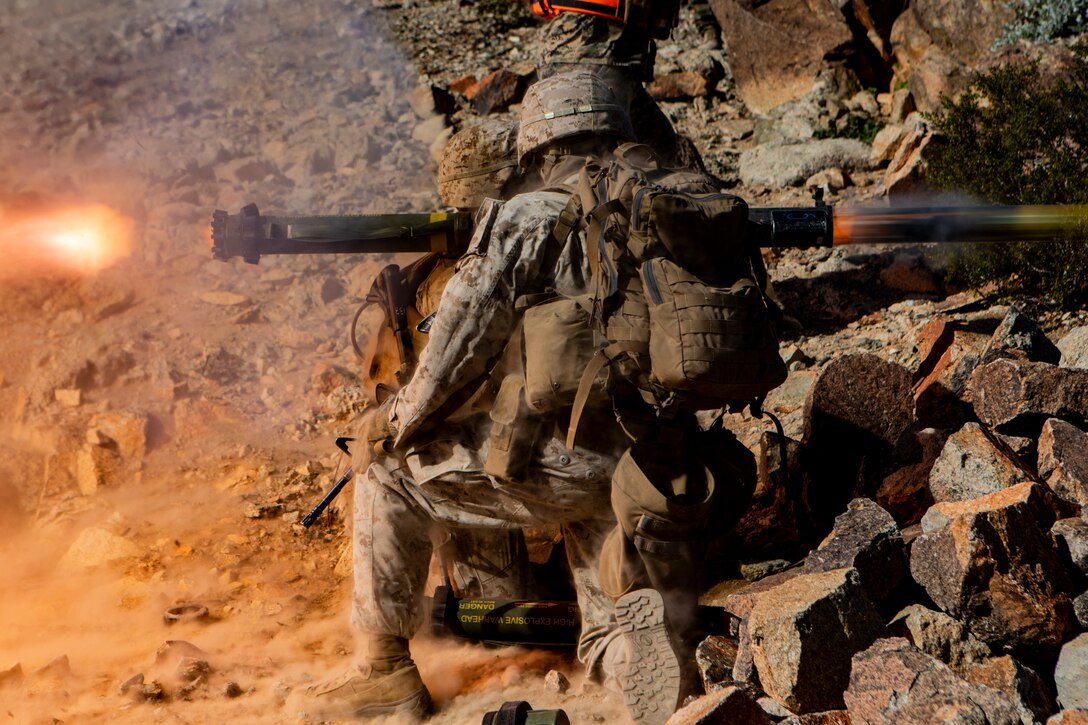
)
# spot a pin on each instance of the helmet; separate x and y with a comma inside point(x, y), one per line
point(478, 162)
point(569, 104)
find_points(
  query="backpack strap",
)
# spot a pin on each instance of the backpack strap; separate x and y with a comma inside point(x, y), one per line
point(569, 219)
point(587, 191)
point(585, 385)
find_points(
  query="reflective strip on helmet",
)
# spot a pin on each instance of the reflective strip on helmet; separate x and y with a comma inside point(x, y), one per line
point(572, 111)
point(610, 9)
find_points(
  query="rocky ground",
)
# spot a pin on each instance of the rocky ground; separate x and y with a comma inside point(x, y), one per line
point(166, 421)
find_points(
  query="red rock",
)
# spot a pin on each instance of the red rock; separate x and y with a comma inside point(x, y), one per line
point(1026, 689)
point(463, 84)
point(991, 563)
point(892, 683)
point(680, 85)
point(803, 634)
point(497, 91)
point(1016, 397)
point(730, 706)
point(948, 354)
point(1063, 460)
point(770, 60)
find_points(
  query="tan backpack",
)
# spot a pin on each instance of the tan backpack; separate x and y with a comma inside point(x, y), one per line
point(679, 306)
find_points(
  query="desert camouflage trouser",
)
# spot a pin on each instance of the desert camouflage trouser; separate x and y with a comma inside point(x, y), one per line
point(671, 497)
point(402, 500)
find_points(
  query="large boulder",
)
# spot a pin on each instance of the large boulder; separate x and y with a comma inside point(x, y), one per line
point(739, 604)
point(974, 463)
point(790, 164)
point(803, 634)
point(777, 49)
point(936, 43)
point(893, 683)
point(854, 417)
point(966, 29)
point(990, 562)
point(96, 547)
point(1016, 397)
point(1071, 674)
point(865, 537)
point(1063, 460)
point(934, 75)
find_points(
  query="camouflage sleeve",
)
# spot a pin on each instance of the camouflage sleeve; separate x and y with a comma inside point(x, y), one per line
point(476, 314)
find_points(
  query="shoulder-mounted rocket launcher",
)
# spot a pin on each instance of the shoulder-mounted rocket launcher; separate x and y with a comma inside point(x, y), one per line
point(250, 235)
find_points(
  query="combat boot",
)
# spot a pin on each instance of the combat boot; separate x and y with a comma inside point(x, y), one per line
point(651, 678)
point(388, 682)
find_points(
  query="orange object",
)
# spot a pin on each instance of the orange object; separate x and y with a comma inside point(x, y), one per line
point(615, 10)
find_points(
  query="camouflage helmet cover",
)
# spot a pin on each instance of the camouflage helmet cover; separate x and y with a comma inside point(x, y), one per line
point(569, 104)
point(478, 162)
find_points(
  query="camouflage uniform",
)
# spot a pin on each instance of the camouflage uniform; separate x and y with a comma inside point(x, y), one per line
point(436, 474)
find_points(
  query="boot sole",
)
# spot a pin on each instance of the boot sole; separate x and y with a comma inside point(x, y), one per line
point(417, 704)
point(651, 679)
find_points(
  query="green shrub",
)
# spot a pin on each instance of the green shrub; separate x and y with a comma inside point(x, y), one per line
point(1012, 138)
point(1046, 20)
point(857, 126)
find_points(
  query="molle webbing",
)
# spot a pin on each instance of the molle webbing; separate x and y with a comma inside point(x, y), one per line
point(678, 305)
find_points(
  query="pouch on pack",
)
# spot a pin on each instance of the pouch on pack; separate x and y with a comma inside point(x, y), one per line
point(514, 430)
point(557, 341)
point(673, 243)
